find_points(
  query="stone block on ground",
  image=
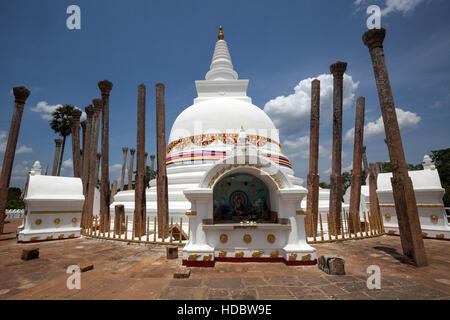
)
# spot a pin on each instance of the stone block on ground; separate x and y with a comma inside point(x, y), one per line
point(172, 252)
point(85, 267)
point(29, 254)
point(330, 264)
point(182, 273)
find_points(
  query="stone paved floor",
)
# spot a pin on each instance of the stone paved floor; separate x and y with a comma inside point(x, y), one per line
point(123, 271)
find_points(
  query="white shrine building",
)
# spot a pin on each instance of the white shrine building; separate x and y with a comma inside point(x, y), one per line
point(217, 193)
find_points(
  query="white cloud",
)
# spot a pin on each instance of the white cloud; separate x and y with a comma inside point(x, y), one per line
point(68, 163)
point(406, 120)
point(402, 6)
point(297, 143)
point(3, 142)
point(24, 149)
point(291, 113)
point(441, 103)
point(46, 110)
point(3, 136)
point(115, 167)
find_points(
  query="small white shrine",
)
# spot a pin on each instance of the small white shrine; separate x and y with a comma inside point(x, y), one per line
point(429, 193)
point(53, 207)
point(246, 209)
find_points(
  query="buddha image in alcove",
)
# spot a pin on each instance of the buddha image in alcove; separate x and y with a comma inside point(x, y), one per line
point(239, 202)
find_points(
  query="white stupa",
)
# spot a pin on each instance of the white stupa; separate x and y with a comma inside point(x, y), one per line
point(206, 131)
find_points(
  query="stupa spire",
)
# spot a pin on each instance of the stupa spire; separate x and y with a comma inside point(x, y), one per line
point(221, 66)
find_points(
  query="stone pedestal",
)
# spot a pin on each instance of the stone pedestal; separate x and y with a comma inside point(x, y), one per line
point(20, 94)
point(405, 200)
point(76, 115)
point(337, 69)
point(313, 177)
point(355, 192)
point(161, 180)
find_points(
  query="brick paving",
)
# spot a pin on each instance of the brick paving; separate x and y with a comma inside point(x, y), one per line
point(131, 271)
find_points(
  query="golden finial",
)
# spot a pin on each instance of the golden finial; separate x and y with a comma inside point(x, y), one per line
point(220, 36)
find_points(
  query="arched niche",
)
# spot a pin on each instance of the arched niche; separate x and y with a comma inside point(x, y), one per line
point(242, 196)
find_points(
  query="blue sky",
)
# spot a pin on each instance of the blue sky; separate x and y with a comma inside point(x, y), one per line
point(277, 45)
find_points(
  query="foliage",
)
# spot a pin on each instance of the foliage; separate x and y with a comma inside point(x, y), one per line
point(14, 201)
point(346, 181)
point(62, 126)
point(324, 185)
point(386, 167)
point(441, 159)
point(150, 175)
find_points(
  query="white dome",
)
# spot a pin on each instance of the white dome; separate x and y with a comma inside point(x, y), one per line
point(223, 115)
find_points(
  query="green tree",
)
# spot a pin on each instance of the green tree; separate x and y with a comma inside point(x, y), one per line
point(61, 125)
point(150, 175)
point(441, 159)
point(14, 201)
point(324, 185)
point(346, 181)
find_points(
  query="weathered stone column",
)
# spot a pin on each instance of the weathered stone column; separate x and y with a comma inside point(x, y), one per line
point(373, 198)
point(355, 191)
point(139, 190)
point(105, 192)
point(404, 197)
point(97, 165)
point(87, 141)
point(152, 162)
point(146, 156)
point(366, 166)
point(161, 181)
point(58, 143)
point(337, 69)
point(130, 169)
point(76, 115)
point(312, 201)
point(20, 94)
point(124, 164)
point(113, 191)
point(83, 134)
point(92, 183)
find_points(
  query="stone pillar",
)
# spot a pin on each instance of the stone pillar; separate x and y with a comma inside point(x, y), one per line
point(119, 219)
point(113, 191)
point(58, 143)
point(312, 201)
point(337, 69)
point(355, 191)
point(76, 115)
point(366, 166)
point(373, 198)
point(83, 145)
point(92, 182)
point(139, 190)
point(404, 197)
point(124, 164)
point(130, 169)
point(20, 94)
point(152, 162)
point(105, 192)
point(97, 165)
point(87, 141)
point(161, 181)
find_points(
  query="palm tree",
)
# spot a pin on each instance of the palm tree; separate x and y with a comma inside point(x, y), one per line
point(62, 126)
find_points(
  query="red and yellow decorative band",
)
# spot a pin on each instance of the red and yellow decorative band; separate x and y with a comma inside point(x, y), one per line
point(206, 156)
point(210, 138)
